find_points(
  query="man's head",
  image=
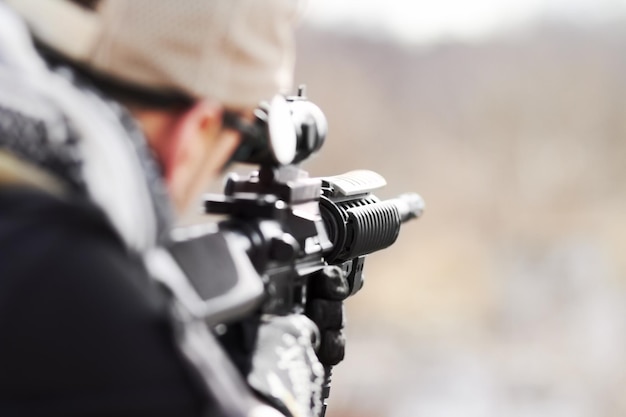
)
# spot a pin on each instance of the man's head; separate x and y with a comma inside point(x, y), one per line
point(178, 66)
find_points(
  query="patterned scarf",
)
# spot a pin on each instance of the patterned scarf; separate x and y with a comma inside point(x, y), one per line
point(57, 121)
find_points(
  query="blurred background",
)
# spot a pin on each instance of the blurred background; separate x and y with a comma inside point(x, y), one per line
point(508, 298)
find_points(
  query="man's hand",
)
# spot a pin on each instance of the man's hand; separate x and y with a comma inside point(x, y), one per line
point(285, 369)
point(290, 354)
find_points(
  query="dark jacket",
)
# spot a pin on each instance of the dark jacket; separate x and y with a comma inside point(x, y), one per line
point(84, 331)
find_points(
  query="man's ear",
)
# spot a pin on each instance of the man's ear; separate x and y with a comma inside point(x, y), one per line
point(193, 131)
point(200, 148)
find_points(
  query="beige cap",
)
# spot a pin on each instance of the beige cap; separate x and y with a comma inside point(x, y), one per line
point(237, 52)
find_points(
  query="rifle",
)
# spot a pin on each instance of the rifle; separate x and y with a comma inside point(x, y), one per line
point(289, 225)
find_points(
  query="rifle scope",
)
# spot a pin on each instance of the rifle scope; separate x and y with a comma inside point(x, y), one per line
point(285, 131)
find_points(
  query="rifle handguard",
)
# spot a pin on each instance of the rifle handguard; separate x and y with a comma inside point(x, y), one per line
point(358, 223)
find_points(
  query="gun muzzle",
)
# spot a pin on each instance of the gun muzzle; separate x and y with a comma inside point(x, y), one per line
point(410, 206)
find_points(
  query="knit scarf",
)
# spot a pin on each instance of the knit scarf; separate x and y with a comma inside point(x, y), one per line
point(57, 121)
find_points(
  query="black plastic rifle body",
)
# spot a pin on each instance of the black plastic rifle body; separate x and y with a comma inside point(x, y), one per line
point(295, 225)
point(292, 225)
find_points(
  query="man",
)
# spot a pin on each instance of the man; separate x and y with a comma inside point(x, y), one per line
point(111, 117)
